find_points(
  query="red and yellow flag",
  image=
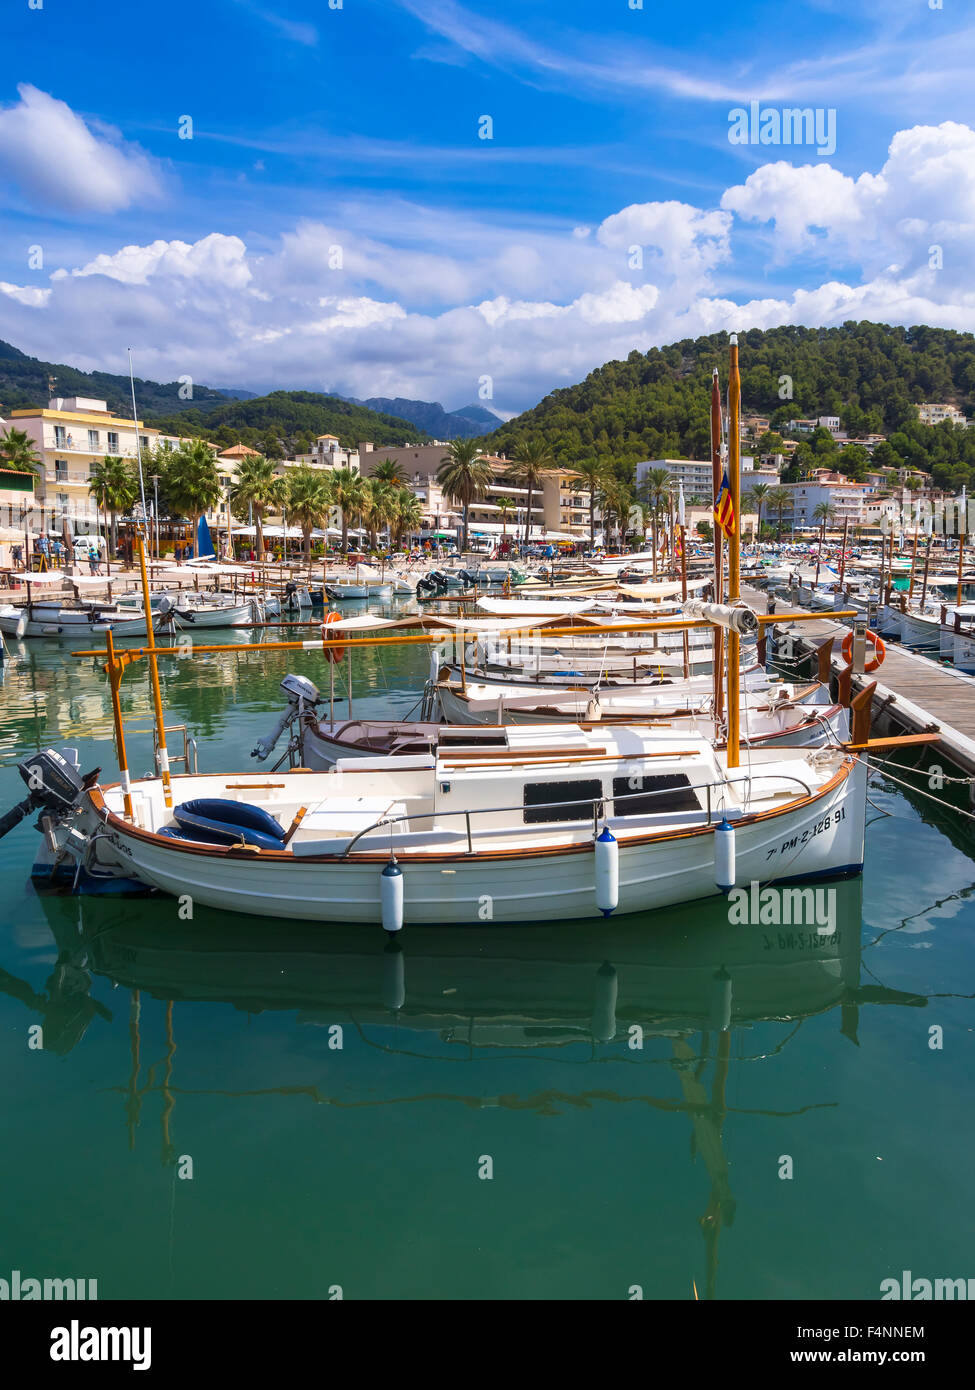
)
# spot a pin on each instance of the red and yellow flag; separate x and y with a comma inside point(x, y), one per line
point(724, 511)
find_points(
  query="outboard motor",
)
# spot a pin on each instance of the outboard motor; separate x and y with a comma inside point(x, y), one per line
point(302, 694)
point(54, 785)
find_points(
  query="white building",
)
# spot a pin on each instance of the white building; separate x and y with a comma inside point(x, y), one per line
point(846, 499)
point(934, 414)
point(329, 454)
point(695, 476)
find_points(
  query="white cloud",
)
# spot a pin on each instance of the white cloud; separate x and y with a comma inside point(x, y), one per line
point(427, 302)
point(25, 294)
point(923, 196)
point(215, 258)
point(56, 161)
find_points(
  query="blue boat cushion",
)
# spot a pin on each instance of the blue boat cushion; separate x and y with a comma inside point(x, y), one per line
point(215, 820)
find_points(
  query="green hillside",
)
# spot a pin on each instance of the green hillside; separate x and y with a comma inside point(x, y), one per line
point(24, 383)
point(291, 420)
point(281, 421)
point(655, 404)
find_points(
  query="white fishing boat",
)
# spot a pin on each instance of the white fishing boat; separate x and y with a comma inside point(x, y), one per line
point(565, 823)
point(958, 637)
point(339, 589)
point(320, 743)
point(194, 611)
point(52, 618)
point(473, 702)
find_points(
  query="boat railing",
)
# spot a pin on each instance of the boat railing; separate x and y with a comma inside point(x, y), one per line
point(597, 804)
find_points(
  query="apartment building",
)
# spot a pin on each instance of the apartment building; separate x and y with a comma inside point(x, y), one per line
point(559, 509)
point(695, 475)
point(845, 498)
point(71, 435)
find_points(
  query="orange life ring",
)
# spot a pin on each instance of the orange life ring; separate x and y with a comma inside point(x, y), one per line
point(880, 651)
point(334, 654)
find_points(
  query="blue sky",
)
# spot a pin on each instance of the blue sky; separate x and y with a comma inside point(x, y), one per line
point(463, 261)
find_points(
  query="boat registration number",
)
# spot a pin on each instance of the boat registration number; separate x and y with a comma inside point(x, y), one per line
point(797, 841)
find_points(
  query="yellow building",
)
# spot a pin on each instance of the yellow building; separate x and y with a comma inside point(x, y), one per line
point(70, 436)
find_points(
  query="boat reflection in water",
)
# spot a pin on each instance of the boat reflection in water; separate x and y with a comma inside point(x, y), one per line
point(669, 987)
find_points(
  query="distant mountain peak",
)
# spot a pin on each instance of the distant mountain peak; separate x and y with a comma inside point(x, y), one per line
point(467, 423)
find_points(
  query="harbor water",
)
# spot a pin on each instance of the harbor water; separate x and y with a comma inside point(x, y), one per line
point(667, 1106)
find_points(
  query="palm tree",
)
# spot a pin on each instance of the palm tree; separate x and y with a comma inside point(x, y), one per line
point(389, 471)
point(504, 506)
point(656, 487)
point(759, 493)
point(115, 489)
point(464, 476)
point(592, 472)
point(409, 512)
point(617, 499)
point(777, 500)
point(17, 452)
point(18, 455)
point(259, 488)
point(533, 460)
point(190, 482)
point(349, 491)
point(309, 501)
point(379, 508)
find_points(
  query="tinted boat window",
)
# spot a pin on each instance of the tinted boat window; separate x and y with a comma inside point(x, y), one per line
point(574, 800)
point(673, 793)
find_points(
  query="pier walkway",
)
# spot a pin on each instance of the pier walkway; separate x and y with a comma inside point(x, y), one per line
point(914, 694)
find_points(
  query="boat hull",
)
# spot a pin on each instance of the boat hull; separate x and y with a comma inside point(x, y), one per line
point(818, 837)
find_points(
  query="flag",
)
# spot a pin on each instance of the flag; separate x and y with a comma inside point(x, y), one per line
point(680, 506)
point(724, 511)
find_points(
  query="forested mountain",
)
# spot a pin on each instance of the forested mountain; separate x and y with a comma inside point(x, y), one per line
point(282, 421)
point(289, 421)
point(655, 404)
point(467, 423)
point(24, 383)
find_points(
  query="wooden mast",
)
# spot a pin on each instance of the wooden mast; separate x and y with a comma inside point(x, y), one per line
point(115, 669)
point(718, 662)
point(734, 583)
point(162, 751)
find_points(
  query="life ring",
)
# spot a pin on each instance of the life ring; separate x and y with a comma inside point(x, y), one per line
point(334, 654)
point(880, 651)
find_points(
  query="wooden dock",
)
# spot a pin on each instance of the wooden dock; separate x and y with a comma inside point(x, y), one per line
point(914, 694)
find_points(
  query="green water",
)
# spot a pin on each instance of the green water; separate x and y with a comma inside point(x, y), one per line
point(614, 1165)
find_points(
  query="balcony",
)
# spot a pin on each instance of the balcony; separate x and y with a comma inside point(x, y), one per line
point(69, 477)
point(75, 446)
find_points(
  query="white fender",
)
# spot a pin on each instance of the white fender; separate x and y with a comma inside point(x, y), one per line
point(724, 857)
point(607, 871)
point(391, 895)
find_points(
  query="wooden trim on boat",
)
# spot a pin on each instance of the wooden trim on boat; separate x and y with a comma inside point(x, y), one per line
point(598, 755)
